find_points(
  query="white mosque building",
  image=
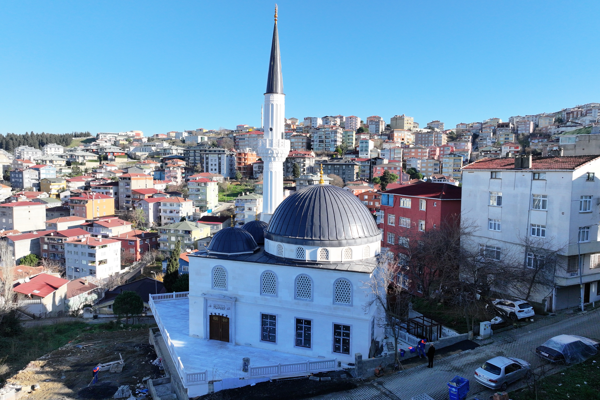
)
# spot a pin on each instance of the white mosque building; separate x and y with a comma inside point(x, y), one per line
point(286, 293)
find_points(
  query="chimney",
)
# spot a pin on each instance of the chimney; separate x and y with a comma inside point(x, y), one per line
point(526, 161)
point(518, 161)
point(85, 281)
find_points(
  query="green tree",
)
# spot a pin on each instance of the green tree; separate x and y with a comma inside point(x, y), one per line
point(30, 259)
point(414, 174)
point(361, 130)
point(11, 324)
point(128, 304)
point(238, 176)
point(172, 268)
point(182, 284)
point(387, 178)
point(296, 171)
point(339, 150)
point(376, 180)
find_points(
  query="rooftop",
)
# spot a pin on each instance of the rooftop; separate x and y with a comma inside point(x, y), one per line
point(65, 219)
point(69, 233)
point(537, 163)
point(41, 285)
point(28, 236)
point(440, 191)
point(79, 286)
point(145, 191)
point(94, 241)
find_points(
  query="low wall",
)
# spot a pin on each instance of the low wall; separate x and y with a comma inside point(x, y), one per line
point(365, 368)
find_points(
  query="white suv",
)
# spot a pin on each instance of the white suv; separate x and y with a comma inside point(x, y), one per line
point(515, 309)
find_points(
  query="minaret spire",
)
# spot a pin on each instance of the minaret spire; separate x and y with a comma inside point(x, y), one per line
point(274, 148)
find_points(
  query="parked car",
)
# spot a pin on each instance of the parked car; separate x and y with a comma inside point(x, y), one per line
point(514, 309)
point(499, 372)
point(568, 349)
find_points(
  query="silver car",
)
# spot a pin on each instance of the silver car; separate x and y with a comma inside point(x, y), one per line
point(499, 372)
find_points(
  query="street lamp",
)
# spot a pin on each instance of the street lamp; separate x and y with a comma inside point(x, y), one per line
point(155, 287)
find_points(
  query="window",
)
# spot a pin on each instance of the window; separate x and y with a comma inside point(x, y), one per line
point(535, 261)
point(538, 230)
point(300, 253)
point(268, 328)
point(421, 226)
point(366, 252)
point(280, 250)
point(303, 333)
point(391, 219)
point(404, 222)
point(404, 203)
point(219, 278)
point(575, 264)
point(539, 202)
point(496, 199)
point(590, 176)
point(342, 291)
point(390, 238)
point(493, 224)
point(435, 203)
point(303, 289)
point(584, 234)
point(491, 252)
point(323, 254)
point(422, 205)
point(496, 175)
point(403, 241)
point(347, 253)
point(594, 261)
point(585, 204)
point(268, 284)
point(539, 176)
point(341, 339)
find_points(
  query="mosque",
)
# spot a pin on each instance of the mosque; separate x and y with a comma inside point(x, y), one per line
point(288, 288)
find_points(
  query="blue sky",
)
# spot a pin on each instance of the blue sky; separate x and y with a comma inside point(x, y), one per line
point(172, 65)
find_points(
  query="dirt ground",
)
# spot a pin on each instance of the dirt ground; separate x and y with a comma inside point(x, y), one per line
point(66, 372)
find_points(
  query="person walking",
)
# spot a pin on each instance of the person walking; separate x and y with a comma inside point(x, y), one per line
point(421, 348)
point(430, 355)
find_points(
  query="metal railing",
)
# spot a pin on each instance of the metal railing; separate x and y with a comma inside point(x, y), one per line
point(294, 368)
point(188, 379)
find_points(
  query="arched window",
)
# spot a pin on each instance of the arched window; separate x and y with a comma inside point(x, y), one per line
point(366, 252)
point(268, 284)
point(347, 253)
point(300, 253)
point(280, 250)
point(342, 291)
point(219, 278)
point(323, 254)
point(303, 290)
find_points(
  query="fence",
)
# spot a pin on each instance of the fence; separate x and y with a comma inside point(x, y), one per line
point(292, 369)
point(188, 379)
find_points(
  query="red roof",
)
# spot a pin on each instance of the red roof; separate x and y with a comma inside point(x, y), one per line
point(64, 219)
point(29, 236)
point(537, 163)
point(41, 285)
point(79, 286)
point(22, 204)
point(145, 191)
point(184, 256)
point(201, 180)
point(91, 241)
point(88, 196)
point(136, 234)
point(135, 176)
point(112, 223)
point(38, 166)
point(440, 191)
point(154, 199)
point(69, 233)
point(175, 200)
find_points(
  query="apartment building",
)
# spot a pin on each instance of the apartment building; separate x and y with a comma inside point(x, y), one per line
point(244, 160)
point(402, 136)
point(187, 232)
point(91, 205)
point(45, 171)
point(136, 243)
point(525, 127)
point(27, 153)
point(172, 209)
point(391, 153)
point(326, 138)
point(64, 223)
point(430, 138)
point(376, 125)
point(151, 210)
point(452, 166)
point(346, 169)
point(393, 167)
point(22, 216)
point(130, 182)
point(430, 166)
point(313, 122)
point(505, 137)
point(436, 125)
point(304, 159)
point(53, 243)
point(299, 142)
point(109, 189)
point(352, 123)
point(534, 208)
point(247, 207)
point(23, 244)
point(52, 149)
point(365, 146)
point(96, 257)
point(204, 193)
point(402, 122)
point(416, 152)
point(349, 138)
point(107, 226)
point(24, 178)
point(53, 186)
point(211, 159)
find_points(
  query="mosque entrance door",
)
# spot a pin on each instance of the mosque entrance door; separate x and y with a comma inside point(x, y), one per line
point(219, 328)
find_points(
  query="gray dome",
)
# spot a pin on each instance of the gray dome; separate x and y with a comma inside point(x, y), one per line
point(232, 241)
point(323, 215)
point(257, 230)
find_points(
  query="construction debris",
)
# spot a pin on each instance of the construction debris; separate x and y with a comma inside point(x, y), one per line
point(107, 366)
point(124, 392)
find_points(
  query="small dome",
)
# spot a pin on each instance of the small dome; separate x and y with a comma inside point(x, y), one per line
point(257, 230)
point(232, 241)
point(323, 215)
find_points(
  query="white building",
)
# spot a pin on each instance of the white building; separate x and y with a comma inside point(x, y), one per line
point(376, 125)
point(27, 153)
point(352, 123)
point(247, 207)
point(550, 202)
point(52, 149)
point(313, 122)
point(204, 193)
point(96, 257)
point(172, 209)
point(364, 148)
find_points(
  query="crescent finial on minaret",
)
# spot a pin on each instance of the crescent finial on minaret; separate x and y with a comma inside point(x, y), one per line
point(275, 13)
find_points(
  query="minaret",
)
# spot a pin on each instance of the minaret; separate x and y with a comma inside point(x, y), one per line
point(273, 149)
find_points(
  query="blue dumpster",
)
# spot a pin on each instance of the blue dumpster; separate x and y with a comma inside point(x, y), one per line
point(458, 388)
point(401, 352)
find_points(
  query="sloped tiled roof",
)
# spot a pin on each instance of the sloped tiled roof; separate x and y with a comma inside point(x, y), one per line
point(65, 219)
point(537, 163)
point(79, 286)
point(440, 191)
point(41, 285)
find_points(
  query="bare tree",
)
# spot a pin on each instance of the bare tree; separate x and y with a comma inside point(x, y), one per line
point(337, 181)
point(6, 280)
point(388, 288)
point(54, 266)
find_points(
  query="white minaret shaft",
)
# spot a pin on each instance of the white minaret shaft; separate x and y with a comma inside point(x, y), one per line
point(273, 149)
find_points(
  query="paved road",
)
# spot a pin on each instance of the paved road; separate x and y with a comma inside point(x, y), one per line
point(519, 343)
